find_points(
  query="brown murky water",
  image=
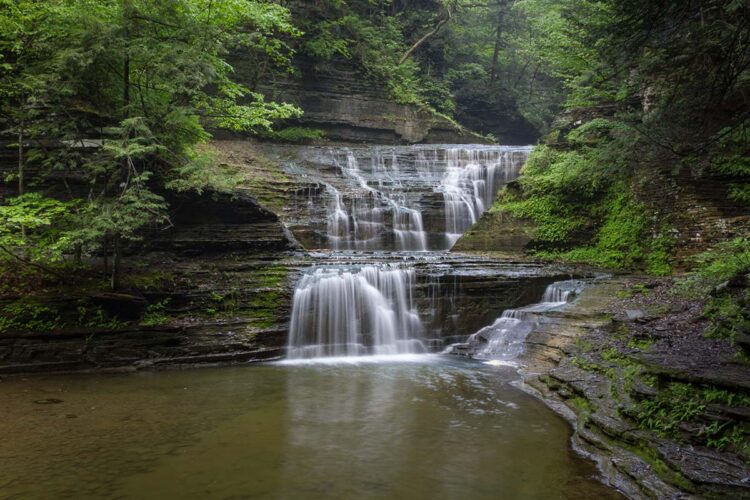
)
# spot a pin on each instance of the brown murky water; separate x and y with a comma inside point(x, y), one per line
point(419, 428)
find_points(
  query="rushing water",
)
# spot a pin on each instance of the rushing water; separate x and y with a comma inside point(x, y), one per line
point(419, 428)
point(346, 311)
point(412, 198)
point(504, 339)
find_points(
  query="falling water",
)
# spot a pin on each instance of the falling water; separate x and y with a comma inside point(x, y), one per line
point(374, 198)
point(344, 311)
point(471, 181)
point(504, 339)
point(412, 198)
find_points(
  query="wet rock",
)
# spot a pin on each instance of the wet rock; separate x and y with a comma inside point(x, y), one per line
point(348, 106)
point(635, 314)
point(714, 470)
point(603, 391)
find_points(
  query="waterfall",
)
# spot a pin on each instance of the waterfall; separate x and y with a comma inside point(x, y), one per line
point(345, 311)
point(471, 181)
point(405, 198)
point(504, 339)
point(414, 198)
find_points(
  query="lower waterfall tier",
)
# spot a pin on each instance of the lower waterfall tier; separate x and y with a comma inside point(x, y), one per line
point(339, 311)
point(355, 305)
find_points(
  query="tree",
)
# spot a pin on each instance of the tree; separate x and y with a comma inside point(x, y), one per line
point(116, 94)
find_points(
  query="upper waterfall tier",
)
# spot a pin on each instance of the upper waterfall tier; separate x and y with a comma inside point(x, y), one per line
point(396, 197)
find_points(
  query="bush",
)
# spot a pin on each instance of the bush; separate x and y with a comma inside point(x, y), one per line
point(297, 135)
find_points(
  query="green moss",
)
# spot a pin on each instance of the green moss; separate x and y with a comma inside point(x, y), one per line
point(666, 473)
point(725, 261)
point(582, 405)
point(640, 345)
point(296, 135)
point(156, 280)
point(582, 202)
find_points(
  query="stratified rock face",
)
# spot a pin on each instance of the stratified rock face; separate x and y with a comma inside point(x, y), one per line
point(339, 100)
point(221, 222)
point(412, 198)
point(497, 232)
point(353, 304)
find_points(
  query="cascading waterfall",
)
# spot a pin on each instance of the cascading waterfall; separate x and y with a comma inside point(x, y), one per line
point(383, 195)
point(413, 198)
point(503, 340)
point(344, 311)
point(471, 181)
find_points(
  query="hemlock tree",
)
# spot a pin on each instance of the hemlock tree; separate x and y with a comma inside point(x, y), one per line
point(118, 94)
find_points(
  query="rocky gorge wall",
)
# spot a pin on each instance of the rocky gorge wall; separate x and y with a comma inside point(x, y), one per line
point(654, 416)
point(217, 285)
point(696, 211)
point(339, 100)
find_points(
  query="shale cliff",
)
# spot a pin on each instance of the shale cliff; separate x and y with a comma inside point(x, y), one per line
point(337, 99)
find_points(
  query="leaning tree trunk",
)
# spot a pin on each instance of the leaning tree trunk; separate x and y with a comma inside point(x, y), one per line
point(435, 31)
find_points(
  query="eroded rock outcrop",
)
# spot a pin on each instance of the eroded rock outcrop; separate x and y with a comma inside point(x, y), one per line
point(638, 396)
point(339, 100)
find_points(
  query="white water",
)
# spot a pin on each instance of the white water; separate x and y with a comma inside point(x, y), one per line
point(471, 181)
point(503, 340)
point(379, 198)
point(344, 311)
point(383, 194)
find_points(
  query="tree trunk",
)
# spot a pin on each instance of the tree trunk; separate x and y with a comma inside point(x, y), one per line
point(21, 166)
point(116, 239)
point(21, 158)
point(105, 253)
point(116, 257)
point(435, 31)
point(498, 43)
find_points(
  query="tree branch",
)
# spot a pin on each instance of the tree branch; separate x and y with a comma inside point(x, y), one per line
point(435, 31)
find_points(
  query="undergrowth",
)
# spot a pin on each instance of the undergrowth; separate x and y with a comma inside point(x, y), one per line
point(582, 204)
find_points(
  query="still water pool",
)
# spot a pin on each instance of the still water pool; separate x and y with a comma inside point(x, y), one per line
point(416, 427)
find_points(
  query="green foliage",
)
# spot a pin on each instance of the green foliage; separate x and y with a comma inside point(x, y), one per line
point(297, 135)
point(728, 315)
point(720, 275)
point(203, 171)
point(39, 228)
point(575, 193)
point(731, 159)
point(681, 403)
point(726, 260)
point(96, 317)
point(117, 95)
point(156, 314)
point(28, 314)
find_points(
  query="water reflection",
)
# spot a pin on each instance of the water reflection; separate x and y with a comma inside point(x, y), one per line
point(432, 429)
